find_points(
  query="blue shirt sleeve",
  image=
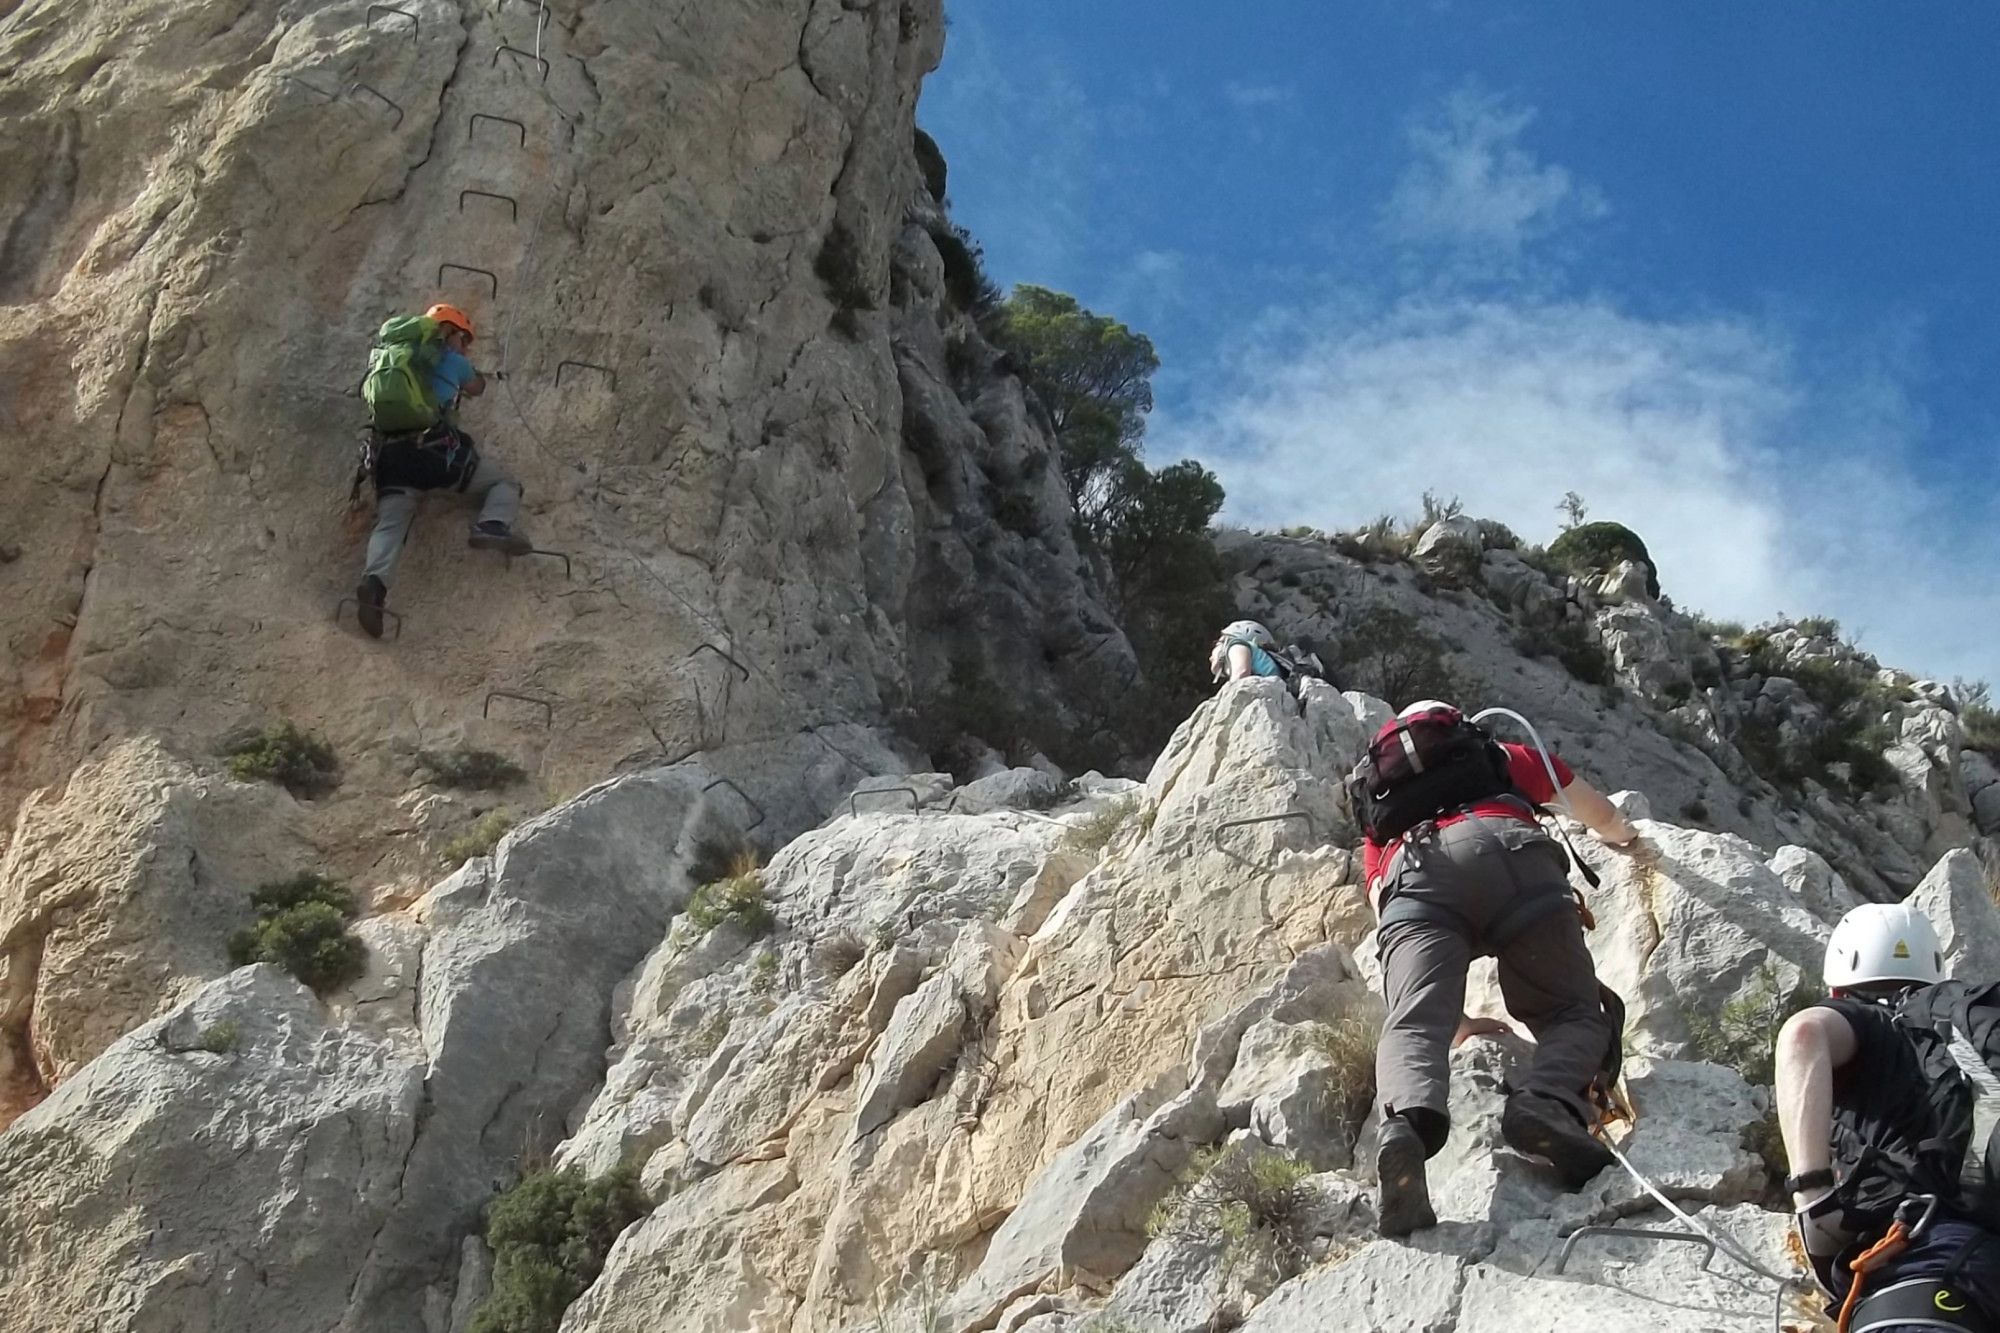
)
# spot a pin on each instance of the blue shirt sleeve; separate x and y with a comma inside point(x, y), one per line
point(452, 372)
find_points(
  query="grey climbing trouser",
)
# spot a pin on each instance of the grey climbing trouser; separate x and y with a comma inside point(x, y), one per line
point(1471, 888)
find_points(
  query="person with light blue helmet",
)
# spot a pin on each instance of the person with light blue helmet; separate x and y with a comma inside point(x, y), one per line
point(1243, 649)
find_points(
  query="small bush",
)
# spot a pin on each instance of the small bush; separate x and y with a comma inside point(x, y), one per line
point(1696, 810)
point(1347, 1044)
point(282, 895)
point(764, 973)
point(1743, 1034)
point(965, 280)
point(1250, 1196)
point(480, 839)
point(218, 1038)
point(301, 763)
point(1387, 654)
point(302, 928)
point(739, 899)
point(549, 1235)
point(1596, 548)
point(1376, 542)
point(1977, 717)
point(1094, 833)
point(837, 953)
point(1763, 1137)
point(471, 770)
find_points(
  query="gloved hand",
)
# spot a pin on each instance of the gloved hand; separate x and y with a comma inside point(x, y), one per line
point(1823, 1234)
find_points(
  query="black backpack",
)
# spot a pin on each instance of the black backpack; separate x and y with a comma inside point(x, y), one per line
point(1430, 765)
point(1954, 1027)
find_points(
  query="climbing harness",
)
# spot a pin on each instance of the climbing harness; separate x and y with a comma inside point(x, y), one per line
point(1902, 1230)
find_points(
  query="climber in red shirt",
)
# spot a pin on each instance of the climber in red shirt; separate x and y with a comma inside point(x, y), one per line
point(1459, 867)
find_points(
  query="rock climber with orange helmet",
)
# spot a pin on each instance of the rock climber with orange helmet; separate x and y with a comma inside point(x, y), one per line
point(441, 458)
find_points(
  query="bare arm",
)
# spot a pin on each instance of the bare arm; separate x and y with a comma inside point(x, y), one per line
point(1598, 814)
point(473, 387)
point(1811, 1045)
point(1239, 660)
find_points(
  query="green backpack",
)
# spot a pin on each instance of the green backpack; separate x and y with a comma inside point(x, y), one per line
point(398, 387)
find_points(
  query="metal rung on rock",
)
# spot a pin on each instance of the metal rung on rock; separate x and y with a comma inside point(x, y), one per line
point(487, 274)
point(548, 708)
point(1636, 1233)
point(1261, 819)
point(916, 801)
point(711, 648)
point(513, 206)
point(379, 96)
point(745, 797)
point(346, 602)
point(472, 123)
point(550, 555)
point(368, 19)
point(519, 54)
point(605, 371)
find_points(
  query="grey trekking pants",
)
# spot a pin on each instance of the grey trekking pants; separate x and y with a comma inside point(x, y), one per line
point(499, 497)
point(1472, 888)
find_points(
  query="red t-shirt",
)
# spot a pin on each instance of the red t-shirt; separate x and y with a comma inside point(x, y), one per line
point(1524, 766)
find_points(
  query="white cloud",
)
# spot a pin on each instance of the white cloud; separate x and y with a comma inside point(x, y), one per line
point(1471, 185)
point(1675, 428)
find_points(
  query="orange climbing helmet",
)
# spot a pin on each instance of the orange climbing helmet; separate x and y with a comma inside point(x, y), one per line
point(450, 314)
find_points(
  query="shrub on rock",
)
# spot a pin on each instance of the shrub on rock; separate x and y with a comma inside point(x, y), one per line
point(302, 763)
point(549, 1235)
point(302, 928)
point(1597, 548)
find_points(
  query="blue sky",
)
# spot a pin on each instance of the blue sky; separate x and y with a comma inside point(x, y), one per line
point(1729, 270)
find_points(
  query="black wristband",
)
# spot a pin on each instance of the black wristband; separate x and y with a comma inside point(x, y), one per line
point(1811, 1180)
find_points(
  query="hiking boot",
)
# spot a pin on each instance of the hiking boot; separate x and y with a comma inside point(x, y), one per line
point(1543, 1127)
point(1404, 1203)
point(493, 535)
point(368, 600)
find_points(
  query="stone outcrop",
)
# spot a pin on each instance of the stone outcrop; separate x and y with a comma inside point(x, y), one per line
point(1634, 694)
point(976, 1066)
point(227, 1166)
point(741, 394)
point(117, 896)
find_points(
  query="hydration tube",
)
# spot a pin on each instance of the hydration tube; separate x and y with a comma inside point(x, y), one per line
point(1548, 764)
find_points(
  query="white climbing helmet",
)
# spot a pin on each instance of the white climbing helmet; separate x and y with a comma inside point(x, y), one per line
point(1249, 631)
point(1883, 942)
point(1422, 706)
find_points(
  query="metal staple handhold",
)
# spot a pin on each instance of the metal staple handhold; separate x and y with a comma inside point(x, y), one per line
point(606, 371)
point(487, 274)
point(346, 602)
point(472, 123)
point(379, 96)
point(916, 802)
point(519, 54)
point(513, 206)
point(744, 795)
point(548, 709)
point(368, 19)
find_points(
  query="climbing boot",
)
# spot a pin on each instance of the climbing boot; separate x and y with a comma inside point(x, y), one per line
point(493, 535)
point(368, 600)
point(1404, 1204)
point(1543, 1127)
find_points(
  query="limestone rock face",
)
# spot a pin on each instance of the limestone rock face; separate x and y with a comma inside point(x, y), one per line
point(1635, 695)
point(226, 1166)
point(740, 397)
point(118, 895)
